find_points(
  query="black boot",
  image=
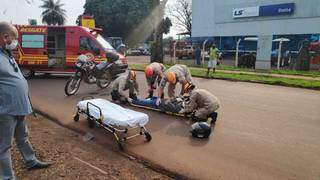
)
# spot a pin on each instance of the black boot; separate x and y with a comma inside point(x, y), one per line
point(133, 96)
point(115, 95)
point(40, 165)
point(150, 95)
point(214, 117)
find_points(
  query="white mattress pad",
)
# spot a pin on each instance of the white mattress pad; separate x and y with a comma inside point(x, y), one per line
point(114, 114)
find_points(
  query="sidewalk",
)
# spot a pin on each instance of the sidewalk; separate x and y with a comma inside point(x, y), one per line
point(145, 60)
point(271, 74)
point(75, 159)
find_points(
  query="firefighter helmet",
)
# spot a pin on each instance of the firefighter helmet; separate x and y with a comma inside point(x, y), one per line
point(171, 77)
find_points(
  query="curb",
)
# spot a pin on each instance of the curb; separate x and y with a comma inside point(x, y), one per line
point(131, 156)
point(252, 81)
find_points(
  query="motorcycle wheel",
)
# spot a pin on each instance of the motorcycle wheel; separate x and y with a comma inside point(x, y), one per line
point(72, 86)
point(103, 83)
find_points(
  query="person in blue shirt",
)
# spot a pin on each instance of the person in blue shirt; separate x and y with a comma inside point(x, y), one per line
point(14, 106)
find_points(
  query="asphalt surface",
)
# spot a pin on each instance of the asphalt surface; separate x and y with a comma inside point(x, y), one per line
point(262, 132)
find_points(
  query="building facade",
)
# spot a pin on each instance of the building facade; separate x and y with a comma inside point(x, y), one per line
point(226, 21)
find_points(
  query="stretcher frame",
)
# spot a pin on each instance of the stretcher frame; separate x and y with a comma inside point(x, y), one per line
point(120, 133)
point(186, 116)
point(165, 112)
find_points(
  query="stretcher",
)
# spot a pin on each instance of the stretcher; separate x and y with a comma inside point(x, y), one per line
point(150, 104)
point(113, 118)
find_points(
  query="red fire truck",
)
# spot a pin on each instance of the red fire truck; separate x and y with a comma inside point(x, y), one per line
point(54, 49)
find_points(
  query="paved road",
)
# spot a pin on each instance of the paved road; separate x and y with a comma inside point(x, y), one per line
point(263, 132)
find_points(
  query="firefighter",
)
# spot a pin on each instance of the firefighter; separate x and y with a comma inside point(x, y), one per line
point(201, 103)
point(154, 73)
point(177, 73)
point(125, 82)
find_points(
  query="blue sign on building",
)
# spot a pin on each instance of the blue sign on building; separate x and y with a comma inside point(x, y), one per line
point(276, 10)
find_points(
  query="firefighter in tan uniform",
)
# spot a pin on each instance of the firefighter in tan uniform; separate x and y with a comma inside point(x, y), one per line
point(121, 84)
point(154, 73)
point(175, 74)
point(201, 103)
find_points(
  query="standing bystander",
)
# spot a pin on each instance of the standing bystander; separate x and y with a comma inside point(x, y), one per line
point(14, 106)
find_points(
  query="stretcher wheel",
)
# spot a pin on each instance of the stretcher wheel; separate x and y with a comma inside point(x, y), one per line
point(76, 117)
point(121, 145)
point(148, 136)
point(91, 123)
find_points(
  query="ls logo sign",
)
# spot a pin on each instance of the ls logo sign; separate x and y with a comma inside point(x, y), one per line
point(238, 13)
point(270, 10)
point(246, 12)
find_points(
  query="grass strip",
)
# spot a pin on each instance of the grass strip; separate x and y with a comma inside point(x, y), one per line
point(265, 79)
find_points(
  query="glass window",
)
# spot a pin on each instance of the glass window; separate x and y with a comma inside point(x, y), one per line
point(105, 44)
point(84, 43)
point(33, 41)
point(93, 46)
point(87, 44)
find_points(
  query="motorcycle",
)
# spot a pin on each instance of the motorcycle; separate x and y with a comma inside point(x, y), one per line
point(90, 72)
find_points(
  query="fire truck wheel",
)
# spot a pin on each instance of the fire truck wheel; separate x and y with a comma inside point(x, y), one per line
point(27, 73)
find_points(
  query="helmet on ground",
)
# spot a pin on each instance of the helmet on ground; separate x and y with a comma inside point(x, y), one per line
point(133, 75)
point(200, 130)
point(188, 86)
point(149, 71)
point(171, 77)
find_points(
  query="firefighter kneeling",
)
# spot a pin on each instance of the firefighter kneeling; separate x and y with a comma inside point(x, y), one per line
point(203, 106)
point(123, 83)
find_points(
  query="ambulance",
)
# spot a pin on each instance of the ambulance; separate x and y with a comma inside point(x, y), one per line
point(54, 49)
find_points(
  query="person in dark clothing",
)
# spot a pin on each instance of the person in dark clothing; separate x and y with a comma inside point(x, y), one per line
point(197, 54)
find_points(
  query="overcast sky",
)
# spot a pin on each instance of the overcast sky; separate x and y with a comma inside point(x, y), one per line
point(19, 11)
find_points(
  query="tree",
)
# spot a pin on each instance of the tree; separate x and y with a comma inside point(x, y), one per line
point(78, 21)
point(53, 13)
point(134, 20)
point(32, 22)
point(165, 25)
point(181, 14)
point(120, 17)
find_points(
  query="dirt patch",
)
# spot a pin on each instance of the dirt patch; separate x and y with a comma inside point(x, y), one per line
point(75, 159)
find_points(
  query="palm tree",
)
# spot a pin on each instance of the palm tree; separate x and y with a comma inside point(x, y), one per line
point(53, 13)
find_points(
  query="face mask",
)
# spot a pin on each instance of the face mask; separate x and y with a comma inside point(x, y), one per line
point(131, 81)
point(13, 45)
